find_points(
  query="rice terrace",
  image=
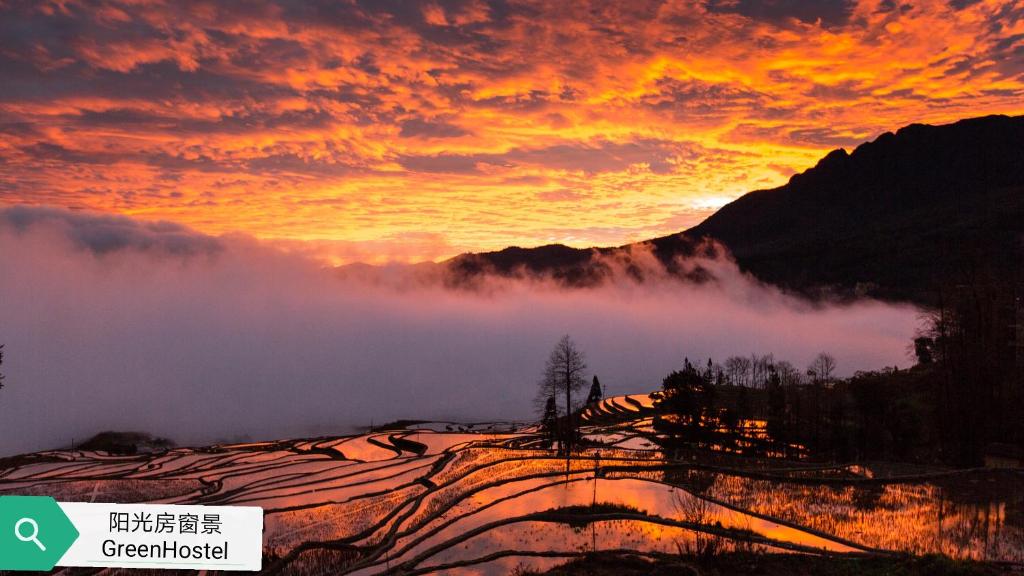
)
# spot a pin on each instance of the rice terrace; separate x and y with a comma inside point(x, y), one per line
point(430, 497)
point(512, 287)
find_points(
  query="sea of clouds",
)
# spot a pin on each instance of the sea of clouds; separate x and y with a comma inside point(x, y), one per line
point(111, 323)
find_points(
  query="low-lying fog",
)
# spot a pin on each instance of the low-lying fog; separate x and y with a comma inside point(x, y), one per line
point(113, 324)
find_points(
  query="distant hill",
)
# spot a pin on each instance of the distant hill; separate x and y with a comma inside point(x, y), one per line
point(894, 219)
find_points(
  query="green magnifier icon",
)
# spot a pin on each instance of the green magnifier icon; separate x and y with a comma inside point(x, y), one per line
point(30, 535)
point(34, 533)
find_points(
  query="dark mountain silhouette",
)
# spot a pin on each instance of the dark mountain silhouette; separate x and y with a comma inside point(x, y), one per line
point(895, 219)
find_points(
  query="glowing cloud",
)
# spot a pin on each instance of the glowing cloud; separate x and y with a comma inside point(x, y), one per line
point(417, 130)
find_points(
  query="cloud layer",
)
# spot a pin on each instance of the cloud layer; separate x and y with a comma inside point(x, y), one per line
point(112, 323)
point(423, 129)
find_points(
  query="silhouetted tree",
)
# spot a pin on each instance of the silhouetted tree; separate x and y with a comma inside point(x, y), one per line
point(759, 369)
point(822, 368)
point(744, 411)
point(839, 430)
point(596, 394)
point(871, 397)
point(923, 350)
point(563, 374)
point(737, 370)
point(979, 380)
point(777, 419)
point(1, 364)
point(820, 372)
point(686, 406)
point(548, 390)
point(549, 421)
point(730, 420)
point(788, 375)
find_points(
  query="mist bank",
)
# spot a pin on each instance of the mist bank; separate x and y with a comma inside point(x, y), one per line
point(114, 323)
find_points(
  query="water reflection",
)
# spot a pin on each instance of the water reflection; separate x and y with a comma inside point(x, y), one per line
point(955, 517)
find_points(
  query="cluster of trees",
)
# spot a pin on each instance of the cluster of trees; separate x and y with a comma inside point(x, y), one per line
point(710, 405)
point(688, 406)
point(964, 397)
point(973, 352)
point(963, 400)
point(756, 370)
point(564, 373)
point(810, 411)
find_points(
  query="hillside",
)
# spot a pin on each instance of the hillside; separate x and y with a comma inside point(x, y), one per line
point(490, 499)
point(895, 219)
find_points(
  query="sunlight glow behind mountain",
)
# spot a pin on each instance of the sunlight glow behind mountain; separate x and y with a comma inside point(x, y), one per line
point(414, 131)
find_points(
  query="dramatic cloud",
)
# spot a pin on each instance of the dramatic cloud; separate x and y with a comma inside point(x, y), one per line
point(353, 122)
point(113, 323)
point(101, 234)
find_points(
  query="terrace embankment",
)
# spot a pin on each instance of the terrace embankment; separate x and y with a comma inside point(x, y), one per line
point(429, 499)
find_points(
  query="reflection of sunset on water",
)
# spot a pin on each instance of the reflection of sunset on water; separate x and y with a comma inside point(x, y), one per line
point(573, 287)
point(916, 518)
point(422, 494)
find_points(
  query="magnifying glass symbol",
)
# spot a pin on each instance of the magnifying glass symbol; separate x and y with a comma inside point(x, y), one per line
point(33, 532)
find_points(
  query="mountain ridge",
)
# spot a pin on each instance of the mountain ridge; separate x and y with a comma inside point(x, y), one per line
point(893, 219)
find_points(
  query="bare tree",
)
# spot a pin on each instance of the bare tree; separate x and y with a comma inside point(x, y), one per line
point(563, 374)
point(1, 363)
point(789, 376)
point(546, 390)
point(760, 366)
point(737, 368)
point(822, 368)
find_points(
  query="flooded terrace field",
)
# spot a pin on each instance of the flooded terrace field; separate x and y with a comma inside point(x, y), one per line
point(429, 500)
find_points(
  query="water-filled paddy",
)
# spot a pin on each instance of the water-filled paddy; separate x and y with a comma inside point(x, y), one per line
point(426, 498)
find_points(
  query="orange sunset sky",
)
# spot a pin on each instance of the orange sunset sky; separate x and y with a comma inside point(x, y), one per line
point(385, 130)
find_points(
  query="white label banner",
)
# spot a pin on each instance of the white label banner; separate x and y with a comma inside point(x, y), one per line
point(165, 536)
